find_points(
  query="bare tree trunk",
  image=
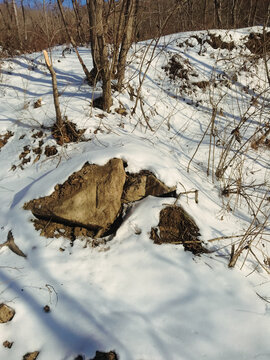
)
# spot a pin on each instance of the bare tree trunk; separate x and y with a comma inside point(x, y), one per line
point(130, 11)
point(204, 13)
point(91, 6)
point(252, 12)
point(87, 73)
point(190, 12)
point(217, 5)
point(105, 68)
point(118, 29)
point(14, 9)
point(233, 11)
point(24, 21)
point(78, 21)
point(59, 120)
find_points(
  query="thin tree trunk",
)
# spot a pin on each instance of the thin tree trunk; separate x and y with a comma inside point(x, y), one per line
point(217, 5)
point(87, 73)
point(131, 7)
point(204, 13)
point(78, 21)
point(24, 22)
point(91, 6)
point(105, 69)
point(14, 9)
point(233, 12)
point(59, 120)
point(252, 12)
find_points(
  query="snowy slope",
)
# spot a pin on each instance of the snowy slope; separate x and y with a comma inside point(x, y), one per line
point(146, 302)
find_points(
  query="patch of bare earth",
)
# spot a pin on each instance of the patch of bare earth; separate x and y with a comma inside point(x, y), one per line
point(176, 226)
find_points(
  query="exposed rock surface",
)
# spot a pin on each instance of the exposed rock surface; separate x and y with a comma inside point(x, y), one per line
point(89, 202)
point(177, 227)
point(6, 313)
point(90, 198)
point(144, 183)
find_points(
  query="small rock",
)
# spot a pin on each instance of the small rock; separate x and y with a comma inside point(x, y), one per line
point(47, 309)
point(31, 356)
point(38, 103)
point(6, 313)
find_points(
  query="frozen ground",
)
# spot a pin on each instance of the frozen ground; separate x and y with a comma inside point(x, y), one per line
point(146, 302)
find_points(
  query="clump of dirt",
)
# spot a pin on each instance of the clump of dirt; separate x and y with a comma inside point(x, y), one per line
point(177, 227)
point(201, 84)
point(258, 43)
point(262, 141)
point(50, 150)
point(8, 344)
point(38, 103)
point(4, 138)
point(111, 355)
point(175, 68)
point(38, 135)
point(53, 229)
point(217, 43)
point(67, 133)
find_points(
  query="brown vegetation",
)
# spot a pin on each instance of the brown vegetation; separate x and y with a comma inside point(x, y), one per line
point(18, 21)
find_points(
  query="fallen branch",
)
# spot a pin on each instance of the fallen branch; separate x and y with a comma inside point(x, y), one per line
point(10, 243)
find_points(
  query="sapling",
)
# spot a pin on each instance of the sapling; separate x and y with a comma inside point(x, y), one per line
point(59, 119)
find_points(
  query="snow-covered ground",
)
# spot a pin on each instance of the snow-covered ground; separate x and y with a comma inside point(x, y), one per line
point(146, 302)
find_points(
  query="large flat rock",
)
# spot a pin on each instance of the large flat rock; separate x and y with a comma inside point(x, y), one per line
point(90, 197)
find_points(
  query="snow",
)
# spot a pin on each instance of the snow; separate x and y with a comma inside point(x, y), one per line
point(144, 301)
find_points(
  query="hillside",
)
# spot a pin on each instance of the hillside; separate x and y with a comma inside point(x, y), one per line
point(201, 127)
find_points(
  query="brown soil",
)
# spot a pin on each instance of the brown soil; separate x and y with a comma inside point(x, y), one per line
point(177, 227)
point(50, 150)
point(67, 133)
point(258, 43)
point(201, 84)
point(52, 229)
point(8, 344)
point(111, 355)
point(4, 138)
point(217, 43)
point(175, 69)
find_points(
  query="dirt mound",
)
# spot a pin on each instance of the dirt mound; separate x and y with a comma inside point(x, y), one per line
point(258, 43)
point(217, 43)
point(175, 68)
point(177, 227)
point(67, 133)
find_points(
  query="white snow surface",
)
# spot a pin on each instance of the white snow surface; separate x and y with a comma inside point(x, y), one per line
point(145, 301)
